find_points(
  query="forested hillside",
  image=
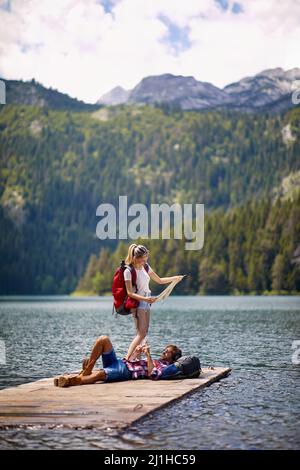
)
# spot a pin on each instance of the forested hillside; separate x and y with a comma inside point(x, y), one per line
point(58, 166)
point(251, 249)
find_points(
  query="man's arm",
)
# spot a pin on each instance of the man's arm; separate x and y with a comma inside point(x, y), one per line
point(150, 364)
point(136, 353)
point(156, 372)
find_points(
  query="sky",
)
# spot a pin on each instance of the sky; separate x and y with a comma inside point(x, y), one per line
point(87, 47)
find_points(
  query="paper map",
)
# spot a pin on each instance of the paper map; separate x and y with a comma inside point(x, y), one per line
point(167, 291)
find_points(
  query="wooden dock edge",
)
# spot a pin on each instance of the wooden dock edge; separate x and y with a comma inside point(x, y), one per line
point(98, 406)
point(221, 376)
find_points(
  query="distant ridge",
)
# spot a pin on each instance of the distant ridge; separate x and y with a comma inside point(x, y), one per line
point(269, 90)
point(35, 94)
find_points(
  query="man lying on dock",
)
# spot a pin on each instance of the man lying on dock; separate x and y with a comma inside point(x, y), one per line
point(116, 369)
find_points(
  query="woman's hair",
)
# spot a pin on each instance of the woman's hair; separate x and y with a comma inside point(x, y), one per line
point(176, 352)
point(135, 250)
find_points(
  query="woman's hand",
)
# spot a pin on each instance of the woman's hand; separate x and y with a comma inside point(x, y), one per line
point(175, 278)
point(150, 300)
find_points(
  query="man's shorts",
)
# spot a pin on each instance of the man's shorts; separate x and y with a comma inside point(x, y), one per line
point(114, 368)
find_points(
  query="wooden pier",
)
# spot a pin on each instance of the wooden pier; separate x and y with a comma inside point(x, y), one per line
point(102, 405)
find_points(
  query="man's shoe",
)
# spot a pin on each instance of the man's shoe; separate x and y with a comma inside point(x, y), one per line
point(66, 380)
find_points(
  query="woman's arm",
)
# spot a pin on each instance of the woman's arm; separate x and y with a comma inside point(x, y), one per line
point(162, 280)
point(133, 295)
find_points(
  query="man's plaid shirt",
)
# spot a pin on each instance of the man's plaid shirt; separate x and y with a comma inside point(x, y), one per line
point(139, 369)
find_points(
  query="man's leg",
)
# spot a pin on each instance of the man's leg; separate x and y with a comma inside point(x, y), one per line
point(102, 345)
point(94, 377)
point(69, 381)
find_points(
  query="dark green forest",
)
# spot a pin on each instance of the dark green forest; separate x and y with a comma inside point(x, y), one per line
point(252, 249)
point(57, 166)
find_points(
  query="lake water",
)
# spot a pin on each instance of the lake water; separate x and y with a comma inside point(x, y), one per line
point(256, 407)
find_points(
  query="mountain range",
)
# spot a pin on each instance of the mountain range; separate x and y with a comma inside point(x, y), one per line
point(268, 90)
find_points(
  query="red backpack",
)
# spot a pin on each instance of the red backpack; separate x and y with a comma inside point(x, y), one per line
point(122, 302)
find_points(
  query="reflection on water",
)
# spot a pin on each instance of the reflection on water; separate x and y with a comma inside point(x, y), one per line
point(256, 407)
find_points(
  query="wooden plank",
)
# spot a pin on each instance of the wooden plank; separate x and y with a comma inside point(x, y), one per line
point(101, 405)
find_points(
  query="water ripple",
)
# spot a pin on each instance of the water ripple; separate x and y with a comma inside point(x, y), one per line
point(256, 407)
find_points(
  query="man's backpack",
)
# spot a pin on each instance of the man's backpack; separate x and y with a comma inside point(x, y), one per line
point(122, 302)
point(189, 367)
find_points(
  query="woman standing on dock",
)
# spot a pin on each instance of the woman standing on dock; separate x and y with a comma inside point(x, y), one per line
point(137, 256)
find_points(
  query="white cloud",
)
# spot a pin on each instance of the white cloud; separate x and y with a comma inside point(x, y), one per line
point(78, 48)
